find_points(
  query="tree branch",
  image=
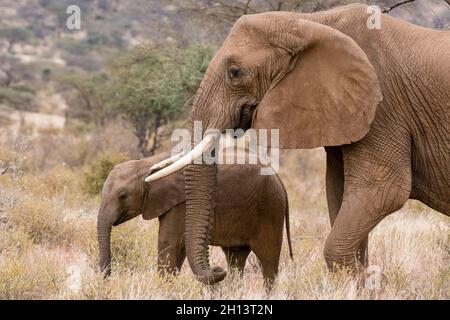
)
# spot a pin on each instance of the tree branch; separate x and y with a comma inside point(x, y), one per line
point(388, 9)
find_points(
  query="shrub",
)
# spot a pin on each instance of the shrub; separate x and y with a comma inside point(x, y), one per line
point(134, 246)
point(37, 274)
point(43, 220)
point(60, 180)
point(20, 98)
point(13, 240)
point(97, 173)
point(12, 157)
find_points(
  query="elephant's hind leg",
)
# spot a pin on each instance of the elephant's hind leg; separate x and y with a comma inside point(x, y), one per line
point(269, 258)
point(236, 257)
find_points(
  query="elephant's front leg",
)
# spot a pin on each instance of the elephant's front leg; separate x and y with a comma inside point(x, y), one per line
point(170, 258)
point(356, 218)
point(335, 192)
point(171, 250)
point(376, 185)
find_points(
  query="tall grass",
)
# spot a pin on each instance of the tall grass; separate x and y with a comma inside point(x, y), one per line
point(48, 241)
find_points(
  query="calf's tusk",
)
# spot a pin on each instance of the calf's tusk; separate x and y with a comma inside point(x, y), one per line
point(166, 162)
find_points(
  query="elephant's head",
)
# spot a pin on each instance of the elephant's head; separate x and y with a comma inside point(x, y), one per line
point(125, 196)
point(275, 71)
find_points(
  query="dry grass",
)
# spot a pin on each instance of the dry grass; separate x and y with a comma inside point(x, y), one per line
point(48, 242)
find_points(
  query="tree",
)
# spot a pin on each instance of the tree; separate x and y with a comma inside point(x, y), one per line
point(19, 97)
point(88, 97)
point(15, 35)
point(222, 14)
point(151, 87)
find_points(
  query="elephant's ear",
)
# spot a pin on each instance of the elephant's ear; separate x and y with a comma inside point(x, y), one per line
point(162, 195)
point(327, 95)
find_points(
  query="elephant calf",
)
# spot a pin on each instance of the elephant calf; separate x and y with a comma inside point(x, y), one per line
point(249, 213)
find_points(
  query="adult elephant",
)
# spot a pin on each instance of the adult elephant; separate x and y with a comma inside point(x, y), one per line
point(378, 100)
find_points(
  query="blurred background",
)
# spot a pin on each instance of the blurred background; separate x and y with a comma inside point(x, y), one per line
point(133, 66)
point(73, 103)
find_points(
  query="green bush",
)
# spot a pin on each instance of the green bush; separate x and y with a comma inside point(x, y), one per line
point(19, 97)
point(97, 173)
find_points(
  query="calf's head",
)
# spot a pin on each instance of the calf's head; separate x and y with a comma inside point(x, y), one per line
point(125, 196)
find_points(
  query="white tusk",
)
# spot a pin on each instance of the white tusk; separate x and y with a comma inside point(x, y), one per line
point(185, 160)
point(166, 162)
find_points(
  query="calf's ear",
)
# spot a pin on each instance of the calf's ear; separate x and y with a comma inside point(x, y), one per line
point(162, 195)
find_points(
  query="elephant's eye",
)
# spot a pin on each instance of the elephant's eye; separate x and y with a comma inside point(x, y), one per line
point(234, 72)
point(122, 195)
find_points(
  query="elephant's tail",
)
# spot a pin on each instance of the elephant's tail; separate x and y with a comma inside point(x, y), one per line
point(288, 229)
point(286, 219)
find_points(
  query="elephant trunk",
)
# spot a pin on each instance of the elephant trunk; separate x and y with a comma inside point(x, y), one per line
point(200, 182)
point(200, 188)
point(104, 242)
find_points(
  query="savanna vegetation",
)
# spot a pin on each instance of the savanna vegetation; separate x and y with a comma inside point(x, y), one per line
point(74, 104)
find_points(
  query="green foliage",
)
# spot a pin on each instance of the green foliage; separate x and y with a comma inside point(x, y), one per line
point(151, 86)
point(97, 173)
point(159, 80)
point(195, 62)
point(88, 97)
point(15, 34)
point(20, 97)
point(74, 47)
point(101, 39)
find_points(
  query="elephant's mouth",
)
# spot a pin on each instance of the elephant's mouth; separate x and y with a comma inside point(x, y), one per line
point(126, 215)
point(246, 116)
